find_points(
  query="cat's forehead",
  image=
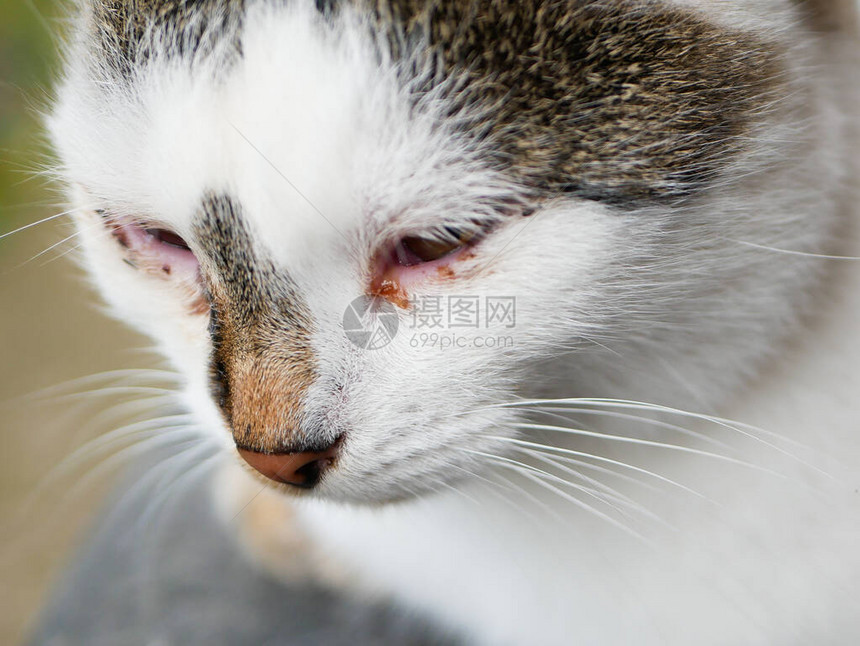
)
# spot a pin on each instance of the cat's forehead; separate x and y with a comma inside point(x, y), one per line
point(362, 109)
point(619, 102)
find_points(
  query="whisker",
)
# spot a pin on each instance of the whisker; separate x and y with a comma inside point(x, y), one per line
point(792, 252)
point(507, 486)
point(741, 428)
point(141, 487)
point(732, 425)
point(40, 18)
point(599, 458)
point(532, 499)
point(110, 376)
point(600, 489)
point(105, 440)
point(63, 254)
point(531, 472)
point(541, 478)
point(57, 244)
point(149, 536)
point(82, 484)
point(145, 442)
point(649, 443)
point(458, 491)
point(117, 390)
point(132, 410)
point(588, 508)
point(609, 492)
point(636, 418)
point(187, 477)
point(38, 222)
point(95, 447)
point(593, 467)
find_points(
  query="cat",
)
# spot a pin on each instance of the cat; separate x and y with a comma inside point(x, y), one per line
point(538, 318)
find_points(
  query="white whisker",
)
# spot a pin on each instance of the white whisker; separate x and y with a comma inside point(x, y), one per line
point(106, 440)
point(76, 233)
point(540, 477)
point(196, 454)
point(146, 443)
point(98, 446)
point(585, 464)
point(792, 252)
point(57, 391)
point(140, 487)
point(508, 487)
point(741, 428)
point(607, 491)
point(636, 418)
point(38, 222)
point(117, 390)
point(649, 443)
point(599, 458)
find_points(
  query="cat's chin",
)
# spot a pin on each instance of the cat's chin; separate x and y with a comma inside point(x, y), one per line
point(341, 495)
point(267, 529)
point(340, 489)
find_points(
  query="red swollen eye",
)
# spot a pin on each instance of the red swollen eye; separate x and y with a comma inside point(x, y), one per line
point(415, 250)
point(169, 238)
point(155, 249)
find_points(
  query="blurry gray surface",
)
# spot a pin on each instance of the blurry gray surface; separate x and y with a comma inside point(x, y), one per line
point(179, 579)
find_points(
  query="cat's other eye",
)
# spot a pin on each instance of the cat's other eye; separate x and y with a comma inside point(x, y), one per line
point(168, 238)
point(416, 250)
point(154, 248)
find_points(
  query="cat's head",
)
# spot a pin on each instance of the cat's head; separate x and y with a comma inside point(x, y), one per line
point(360, 229)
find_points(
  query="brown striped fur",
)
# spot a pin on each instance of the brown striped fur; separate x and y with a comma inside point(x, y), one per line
point(130, 32)
point(622, 102)
point(262, 362)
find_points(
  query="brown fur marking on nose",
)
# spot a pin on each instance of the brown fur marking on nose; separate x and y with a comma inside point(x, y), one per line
point(262, 361)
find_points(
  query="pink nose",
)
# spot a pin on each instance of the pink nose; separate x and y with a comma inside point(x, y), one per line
point(302, 469)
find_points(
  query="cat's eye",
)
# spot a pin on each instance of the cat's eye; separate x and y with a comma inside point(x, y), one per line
point(169, 238)
point(154, 249)
point(414, 250)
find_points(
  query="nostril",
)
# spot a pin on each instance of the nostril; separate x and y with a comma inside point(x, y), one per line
point(298, 468)
point(312, 471)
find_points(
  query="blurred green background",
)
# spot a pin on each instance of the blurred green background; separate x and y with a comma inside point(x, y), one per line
point(51, 331)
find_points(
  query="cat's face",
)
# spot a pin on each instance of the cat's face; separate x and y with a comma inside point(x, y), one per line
point(524, 192)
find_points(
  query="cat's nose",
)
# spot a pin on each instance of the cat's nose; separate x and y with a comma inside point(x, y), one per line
point(298, 468)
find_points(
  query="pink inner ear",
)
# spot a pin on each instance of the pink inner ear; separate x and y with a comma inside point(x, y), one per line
point(148, 249)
